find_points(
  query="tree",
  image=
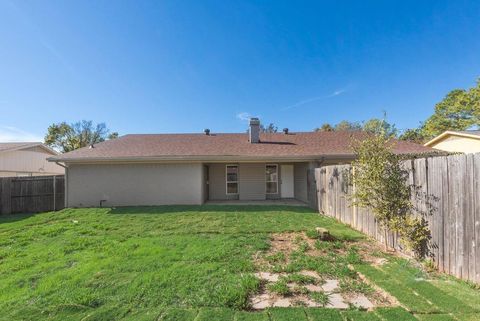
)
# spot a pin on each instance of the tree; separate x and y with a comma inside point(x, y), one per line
point(414, 135)
point(349, 126)
point(380, 127)
point(67, 137)
point(271, 128)
point(326, 127)
point(459, 110)
point(381, 184)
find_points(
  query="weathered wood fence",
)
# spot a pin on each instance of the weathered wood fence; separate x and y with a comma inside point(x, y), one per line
point(451, 189)
point(31, 194)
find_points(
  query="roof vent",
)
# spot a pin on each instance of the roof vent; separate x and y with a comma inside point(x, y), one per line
point(285, 131)
point(207, 131)
point(91, 146)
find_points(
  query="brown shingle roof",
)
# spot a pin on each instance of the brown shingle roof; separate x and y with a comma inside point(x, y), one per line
point(6, 147)
point(200, 146)
point(10, 146)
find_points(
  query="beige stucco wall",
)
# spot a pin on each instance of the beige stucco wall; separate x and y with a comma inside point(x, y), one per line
point(134, 184)
point(458, 144)
point(28, 162)
point(300, 181)
point(251, 181)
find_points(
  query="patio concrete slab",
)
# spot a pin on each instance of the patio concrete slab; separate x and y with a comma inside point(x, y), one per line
point(288, 201)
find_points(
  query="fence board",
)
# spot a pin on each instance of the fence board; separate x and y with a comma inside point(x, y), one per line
point(447, 187)
point(31, 194)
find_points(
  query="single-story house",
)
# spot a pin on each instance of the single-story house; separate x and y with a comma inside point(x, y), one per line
point(27, 159)
point(158, 169)
point(467, 141)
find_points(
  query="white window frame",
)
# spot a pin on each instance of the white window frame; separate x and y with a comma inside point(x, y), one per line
point(276, 166)
point(230, 182)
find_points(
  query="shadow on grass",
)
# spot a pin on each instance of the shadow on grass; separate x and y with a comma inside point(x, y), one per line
point(164, 209)
point(10, 218)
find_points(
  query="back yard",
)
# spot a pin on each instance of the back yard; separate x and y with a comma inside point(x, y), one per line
point(211, 263)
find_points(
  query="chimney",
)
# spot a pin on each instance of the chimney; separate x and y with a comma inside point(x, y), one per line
point(254, 131)
point(207, 131)
point(285, 131)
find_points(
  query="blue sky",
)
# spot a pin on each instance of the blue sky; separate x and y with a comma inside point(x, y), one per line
point(182, 66)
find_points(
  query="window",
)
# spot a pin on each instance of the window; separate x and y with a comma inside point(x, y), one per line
point(232, 179)
point(271, 179)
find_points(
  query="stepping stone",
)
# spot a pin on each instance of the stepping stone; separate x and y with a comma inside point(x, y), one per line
point(311, 304)
point(314, 288)
point(361, 301)
point(270, 277)
point(330, 285)
point(336, 302)
point(282, 303)
point(312, 274)
point(261, 305)
point(261, 301)
point(380, 261)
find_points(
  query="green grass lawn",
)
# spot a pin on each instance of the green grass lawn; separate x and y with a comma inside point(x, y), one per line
point(182, 263)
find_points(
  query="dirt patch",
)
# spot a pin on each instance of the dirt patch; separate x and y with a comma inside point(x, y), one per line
point(301, 271)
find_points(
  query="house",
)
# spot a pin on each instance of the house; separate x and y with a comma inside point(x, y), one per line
point(467, 141)
point(161, 169)
point(27, 159)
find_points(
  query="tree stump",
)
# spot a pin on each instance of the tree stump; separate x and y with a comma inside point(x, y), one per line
point(323, 233)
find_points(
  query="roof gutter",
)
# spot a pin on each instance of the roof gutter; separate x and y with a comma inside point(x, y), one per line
point(201, 158)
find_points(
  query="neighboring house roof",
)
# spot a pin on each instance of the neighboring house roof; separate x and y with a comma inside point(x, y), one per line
point(273, 146)
point(9, 147)
point(475, 134)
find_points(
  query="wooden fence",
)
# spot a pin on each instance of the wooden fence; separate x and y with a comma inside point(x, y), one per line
point(31, 194)
point(446, 186)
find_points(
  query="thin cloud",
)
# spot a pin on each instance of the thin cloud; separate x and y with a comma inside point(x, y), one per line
point(338, 92)
point(37, 33)
point(310, 100)
point(244, 116)
point(14, 134)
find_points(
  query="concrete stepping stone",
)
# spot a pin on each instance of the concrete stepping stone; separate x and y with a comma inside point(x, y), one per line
point(330, 285)
point(311, 304)
point(270, 277)
point(336, 301)
point(312, 274)
point(282, 303)
point(361, 301)
point(261, 301)
point(314, 288)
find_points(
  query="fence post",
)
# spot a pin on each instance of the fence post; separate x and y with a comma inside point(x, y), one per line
point(6, 197)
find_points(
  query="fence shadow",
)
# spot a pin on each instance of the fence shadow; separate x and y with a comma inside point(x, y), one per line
point(10, 218)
